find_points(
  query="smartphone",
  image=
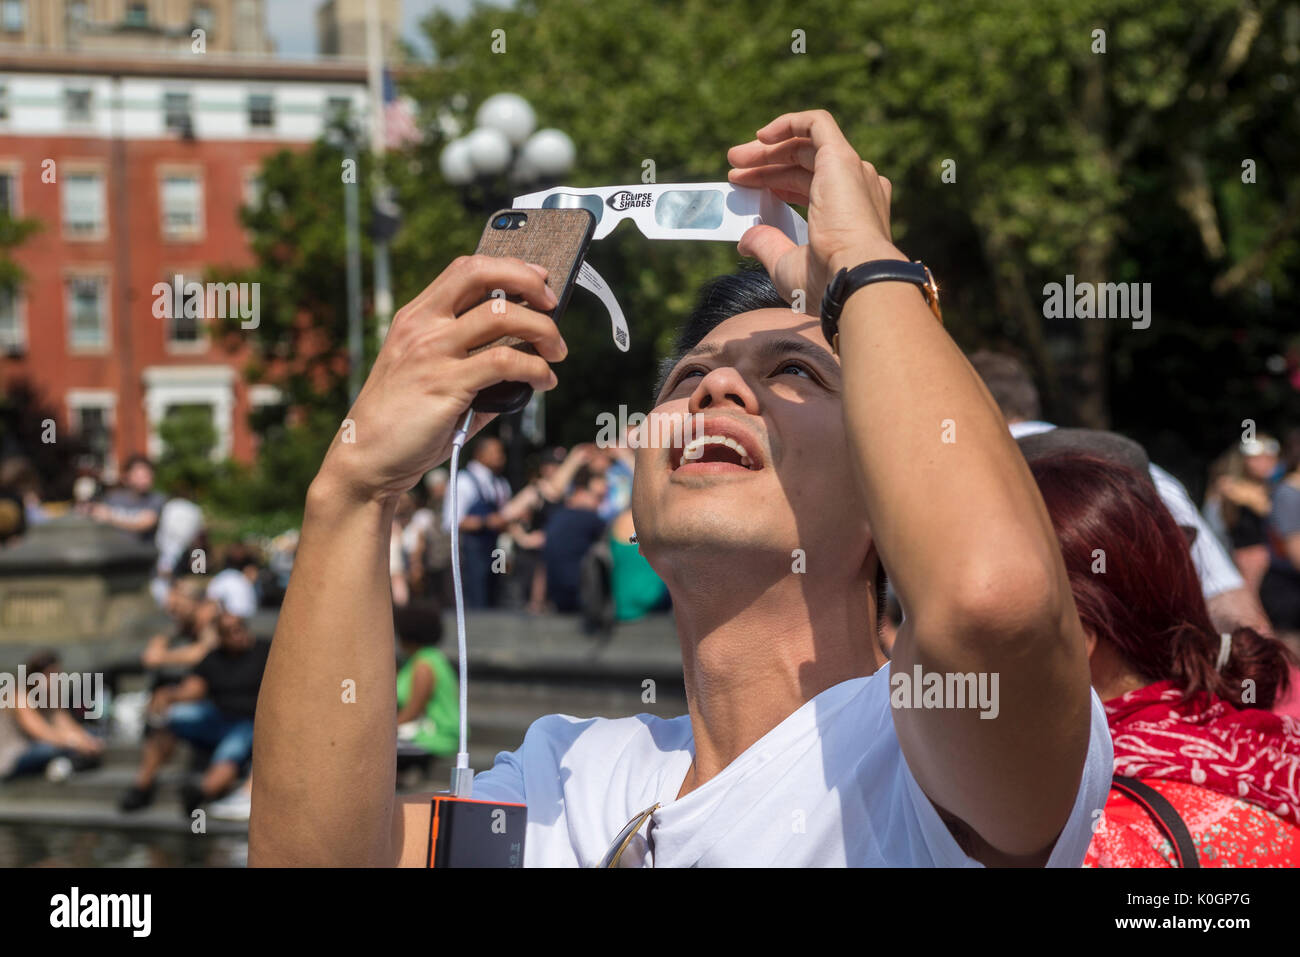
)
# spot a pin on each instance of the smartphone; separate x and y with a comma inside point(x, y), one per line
point(556, 239)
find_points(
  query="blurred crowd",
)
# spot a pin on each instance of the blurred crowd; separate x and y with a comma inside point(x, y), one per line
point(562, 543)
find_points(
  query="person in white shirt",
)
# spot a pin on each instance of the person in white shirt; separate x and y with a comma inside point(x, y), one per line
point(233, 587)
point(1230, 602)
point(481, 495)
point(802, 746)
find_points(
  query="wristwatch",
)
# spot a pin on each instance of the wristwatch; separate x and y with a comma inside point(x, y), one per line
point(849, 281)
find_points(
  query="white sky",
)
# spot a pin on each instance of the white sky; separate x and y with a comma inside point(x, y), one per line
point(295, 34)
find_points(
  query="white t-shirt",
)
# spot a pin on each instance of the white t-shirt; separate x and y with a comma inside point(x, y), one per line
point(827, 787)
point(235, 592)
point(1213, 565)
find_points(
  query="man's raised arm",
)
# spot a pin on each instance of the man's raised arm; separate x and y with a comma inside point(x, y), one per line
point(326, 726)
point(952, 505)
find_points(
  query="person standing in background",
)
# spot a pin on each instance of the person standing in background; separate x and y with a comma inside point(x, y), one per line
point(481, 494)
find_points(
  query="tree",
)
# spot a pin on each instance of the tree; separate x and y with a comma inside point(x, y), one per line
point(1115, 166)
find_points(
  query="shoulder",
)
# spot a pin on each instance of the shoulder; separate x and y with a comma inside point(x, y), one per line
point(557, 745)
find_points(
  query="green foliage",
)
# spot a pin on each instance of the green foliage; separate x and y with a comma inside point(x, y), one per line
point(186, 467)
point(1068, 161)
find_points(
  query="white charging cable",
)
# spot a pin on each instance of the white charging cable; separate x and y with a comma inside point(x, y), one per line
point(462, 775)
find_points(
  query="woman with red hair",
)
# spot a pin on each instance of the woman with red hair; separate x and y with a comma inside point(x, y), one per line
point(1205, 773)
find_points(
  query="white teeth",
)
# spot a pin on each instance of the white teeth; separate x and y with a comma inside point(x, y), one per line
point(695, 449)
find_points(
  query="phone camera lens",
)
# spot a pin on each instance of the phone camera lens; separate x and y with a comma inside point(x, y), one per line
point(501, 222)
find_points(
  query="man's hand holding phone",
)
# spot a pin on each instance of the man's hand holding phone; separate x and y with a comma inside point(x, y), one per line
point(424, 379)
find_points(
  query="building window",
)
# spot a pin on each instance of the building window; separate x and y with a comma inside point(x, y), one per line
point(261, 110)
point(184, 328)
point(4, 102)
point(87, 313)
point(8, 194)
point(83, 204)
point(137, 14)
point(176, 112)
point(77, 107)
point(77, 13)
point(182, 206)
point(203, 17)
point(92, 421)
point(13, 15)
point(13, 337)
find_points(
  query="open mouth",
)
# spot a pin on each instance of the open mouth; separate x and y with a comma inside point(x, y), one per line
point(717, 452)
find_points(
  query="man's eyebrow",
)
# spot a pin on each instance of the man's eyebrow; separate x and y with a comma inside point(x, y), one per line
point(772, 347)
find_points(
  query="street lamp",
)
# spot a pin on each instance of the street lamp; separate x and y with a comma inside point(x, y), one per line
point(505, 140)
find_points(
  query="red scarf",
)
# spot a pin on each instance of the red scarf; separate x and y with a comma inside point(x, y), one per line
point(1246, 753)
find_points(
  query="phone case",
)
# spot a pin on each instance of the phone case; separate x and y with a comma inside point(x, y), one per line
point(555, 239)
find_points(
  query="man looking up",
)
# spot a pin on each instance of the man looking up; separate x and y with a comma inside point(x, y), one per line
point(795, 750)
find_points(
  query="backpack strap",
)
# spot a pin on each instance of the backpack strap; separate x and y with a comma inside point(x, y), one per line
point(1163, 813)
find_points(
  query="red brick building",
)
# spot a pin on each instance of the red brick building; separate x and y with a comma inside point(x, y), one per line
point(136, 169)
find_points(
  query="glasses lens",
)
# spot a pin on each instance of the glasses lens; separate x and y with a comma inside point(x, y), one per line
point(574, 201)
point(689, 209)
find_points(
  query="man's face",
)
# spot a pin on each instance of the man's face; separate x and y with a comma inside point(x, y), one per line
point(234, 634)
point(493, 454)
point(140, 477)
point(767, 382)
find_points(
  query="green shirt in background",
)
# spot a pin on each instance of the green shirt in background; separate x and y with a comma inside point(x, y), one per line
point(438, 729)
point(637, 589)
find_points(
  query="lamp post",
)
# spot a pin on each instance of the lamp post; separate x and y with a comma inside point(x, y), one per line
point(341, 136)
point(502, 155)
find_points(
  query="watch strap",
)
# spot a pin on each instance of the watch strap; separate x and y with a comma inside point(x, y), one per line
point(848, 281)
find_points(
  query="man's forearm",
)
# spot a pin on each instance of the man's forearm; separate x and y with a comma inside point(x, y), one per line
point(326, 714)
point(953, 505)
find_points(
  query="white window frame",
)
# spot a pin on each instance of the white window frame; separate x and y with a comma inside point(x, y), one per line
point(262, 128)
point(78, 400)
point(79, 122)
point(101, 276)
point(70, 171)
point(171, 233)
point(14, 169)
point(17, 344)
point(168, 114)
point(21, 7)
point(168, 386)
point(185, 347)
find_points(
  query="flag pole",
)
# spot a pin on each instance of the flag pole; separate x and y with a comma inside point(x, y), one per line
point(375, 70)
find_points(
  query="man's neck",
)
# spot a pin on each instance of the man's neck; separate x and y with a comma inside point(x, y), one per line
point(758, 644)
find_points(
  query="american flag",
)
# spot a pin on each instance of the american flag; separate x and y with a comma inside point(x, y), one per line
point(400, 127)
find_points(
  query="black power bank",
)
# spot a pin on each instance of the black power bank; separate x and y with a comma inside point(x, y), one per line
point(468, 833)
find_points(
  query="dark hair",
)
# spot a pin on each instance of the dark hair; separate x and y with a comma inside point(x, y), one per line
point(42, 659)
point(720, 298)
point(1009, 383)
point(136, 458)
point(239, 556)
point(748, 289)
point(418, 623)
point(1148, 605)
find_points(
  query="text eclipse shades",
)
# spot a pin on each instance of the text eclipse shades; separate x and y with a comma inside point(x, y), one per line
point(717, 211)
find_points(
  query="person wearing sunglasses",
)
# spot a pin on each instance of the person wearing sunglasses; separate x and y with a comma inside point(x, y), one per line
point(826, 445)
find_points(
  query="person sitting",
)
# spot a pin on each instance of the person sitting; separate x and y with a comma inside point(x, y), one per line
point(428, 694)
point(213, 708)
point(1188, 707)
point(45, 738)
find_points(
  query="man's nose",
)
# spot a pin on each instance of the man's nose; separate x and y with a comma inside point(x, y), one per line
point(723, 387)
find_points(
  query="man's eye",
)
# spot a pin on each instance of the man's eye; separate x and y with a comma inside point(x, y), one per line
point(685, 374)
point(796, 367)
